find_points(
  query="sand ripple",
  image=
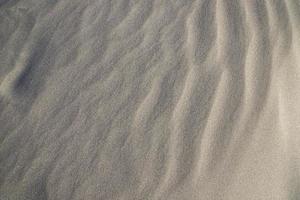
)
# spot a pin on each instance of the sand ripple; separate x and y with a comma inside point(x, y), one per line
point(149, 99)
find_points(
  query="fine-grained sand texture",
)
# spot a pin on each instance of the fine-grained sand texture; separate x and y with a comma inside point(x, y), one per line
point(149, 99)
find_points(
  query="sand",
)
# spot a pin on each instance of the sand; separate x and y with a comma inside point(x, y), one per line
point(149, 99)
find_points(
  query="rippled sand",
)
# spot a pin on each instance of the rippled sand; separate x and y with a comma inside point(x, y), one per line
point(149, 99)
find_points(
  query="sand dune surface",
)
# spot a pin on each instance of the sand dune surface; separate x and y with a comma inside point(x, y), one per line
point(149, 99)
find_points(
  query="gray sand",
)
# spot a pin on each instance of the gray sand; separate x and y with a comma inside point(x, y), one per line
point(149, 99)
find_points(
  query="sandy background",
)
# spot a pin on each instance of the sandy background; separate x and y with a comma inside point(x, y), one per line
point(149, 99)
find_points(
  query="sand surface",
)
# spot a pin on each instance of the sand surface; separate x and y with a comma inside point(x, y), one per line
point(149, 99)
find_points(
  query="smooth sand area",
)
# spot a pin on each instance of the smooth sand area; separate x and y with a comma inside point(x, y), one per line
point(149, 99)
